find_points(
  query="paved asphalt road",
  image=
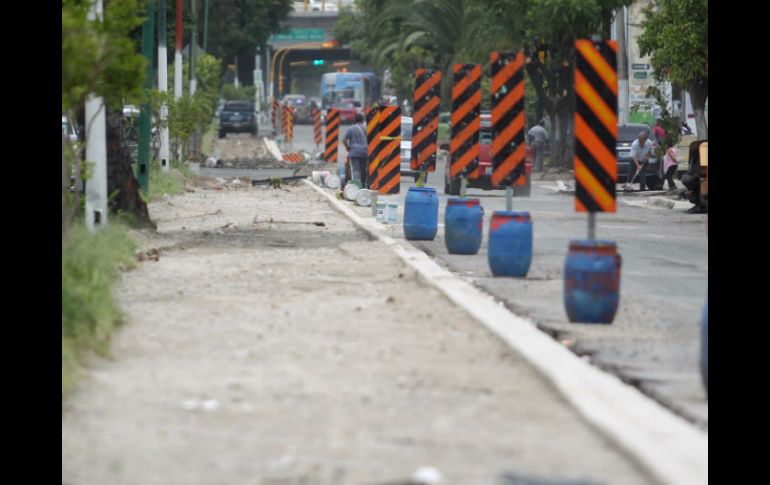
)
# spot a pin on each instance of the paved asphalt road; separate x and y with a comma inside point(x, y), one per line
point(654, 340)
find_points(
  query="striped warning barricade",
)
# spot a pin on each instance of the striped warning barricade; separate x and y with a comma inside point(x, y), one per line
point(315, 114)
point(596, 90)
point(372, 132)
point(388, 173)
point(275, 114)
point(332, 135)
point(508, 116)
point(466, 121)
point(293, 157)
point(289, 113)
point(427, 93)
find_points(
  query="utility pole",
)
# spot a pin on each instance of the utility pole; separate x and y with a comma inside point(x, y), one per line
point(193, 42)
point(96, 149)
point(143, 164)
point(193, 80)
point(163, 84)
point(178, 61)
point(620, 33)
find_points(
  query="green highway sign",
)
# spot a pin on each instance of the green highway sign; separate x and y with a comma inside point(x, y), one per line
point(298, 34)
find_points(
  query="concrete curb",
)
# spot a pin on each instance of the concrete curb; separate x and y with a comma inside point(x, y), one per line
point(669, 448)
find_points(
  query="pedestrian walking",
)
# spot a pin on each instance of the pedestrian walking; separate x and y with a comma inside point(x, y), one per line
point(670, 165)
point(641, 152)
point(538, 138)
point(357, 146)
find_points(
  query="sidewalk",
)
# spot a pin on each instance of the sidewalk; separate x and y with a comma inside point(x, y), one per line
point(273, 342)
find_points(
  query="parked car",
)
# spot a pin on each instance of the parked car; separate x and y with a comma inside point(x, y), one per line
point(485, 166)
point(626, 169)
point(347, 109)
point(300, 107)
point(237, 117)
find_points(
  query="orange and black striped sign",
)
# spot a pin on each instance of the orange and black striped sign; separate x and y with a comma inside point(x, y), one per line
point(508, 140)
point(372, 130)
point(288, 122)
point(332, 135)
point(293, 157)
point(315, 114)
point(275, 114)
point(388, 174)
point(427, 92)
point(466, 120)
point(596, 125)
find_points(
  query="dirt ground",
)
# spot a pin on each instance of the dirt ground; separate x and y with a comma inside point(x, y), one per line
point(273, 343)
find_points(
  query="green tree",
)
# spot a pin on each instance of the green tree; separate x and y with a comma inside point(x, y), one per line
point(676, 39)
point(101, 57)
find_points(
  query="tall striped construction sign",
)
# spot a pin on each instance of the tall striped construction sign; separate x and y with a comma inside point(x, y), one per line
point(508, 140)
point(388, 174)
point(288, 123)
point(315, 116)
point(427, 92)
point(596, 125)
point(466, 120)
point(332, 135)
point(372, 130)
point(275, 114)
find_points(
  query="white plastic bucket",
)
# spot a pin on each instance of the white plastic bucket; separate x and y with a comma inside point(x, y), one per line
point(332, 181)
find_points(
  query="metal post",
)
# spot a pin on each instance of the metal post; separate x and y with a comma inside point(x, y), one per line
point(591, 226)
point(178, 61)
point(163, 84)
point(96, 150)
point(620, 34)
point(463, 183)
point(143, 163)
point(509, 198)
point(193, 42)
point(374, 203)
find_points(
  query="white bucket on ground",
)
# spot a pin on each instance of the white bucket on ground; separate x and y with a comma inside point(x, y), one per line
point(332, 181)
point(319, 176)
point(351, 189)
point(364, 197)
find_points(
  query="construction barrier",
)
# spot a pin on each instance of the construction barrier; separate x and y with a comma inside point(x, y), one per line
point(466, 120)
point(315, 115)
point(388, 173)
point(596, 125)
point(372, 132)
point(332, 135)
point(275, 114)
point(427, 93)
point(288, 123)
point(508, 119)
point(293, 157)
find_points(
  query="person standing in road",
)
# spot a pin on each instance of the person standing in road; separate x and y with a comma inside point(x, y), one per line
point(670, 165)
point(641, 151)
point(357, 146)
point(538, 137)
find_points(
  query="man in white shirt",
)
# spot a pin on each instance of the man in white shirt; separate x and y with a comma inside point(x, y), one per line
point(641, 153)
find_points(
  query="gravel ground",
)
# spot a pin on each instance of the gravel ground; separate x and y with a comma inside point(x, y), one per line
point(273, 343)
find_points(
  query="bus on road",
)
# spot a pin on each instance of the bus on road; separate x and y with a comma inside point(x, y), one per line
point(363, 87)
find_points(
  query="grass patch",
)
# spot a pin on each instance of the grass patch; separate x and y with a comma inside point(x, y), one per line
point(171, 182)
point(89, 314)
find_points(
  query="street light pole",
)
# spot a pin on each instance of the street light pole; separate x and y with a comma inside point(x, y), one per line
point(178, 71)
point(96, 149)
point(206, 26)
point(163, 84)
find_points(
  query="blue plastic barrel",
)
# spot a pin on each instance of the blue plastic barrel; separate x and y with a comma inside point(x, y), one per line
point(592, 281)
point(704, 347)
point(421, 213)
point(463, 220)
point(510, 243)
